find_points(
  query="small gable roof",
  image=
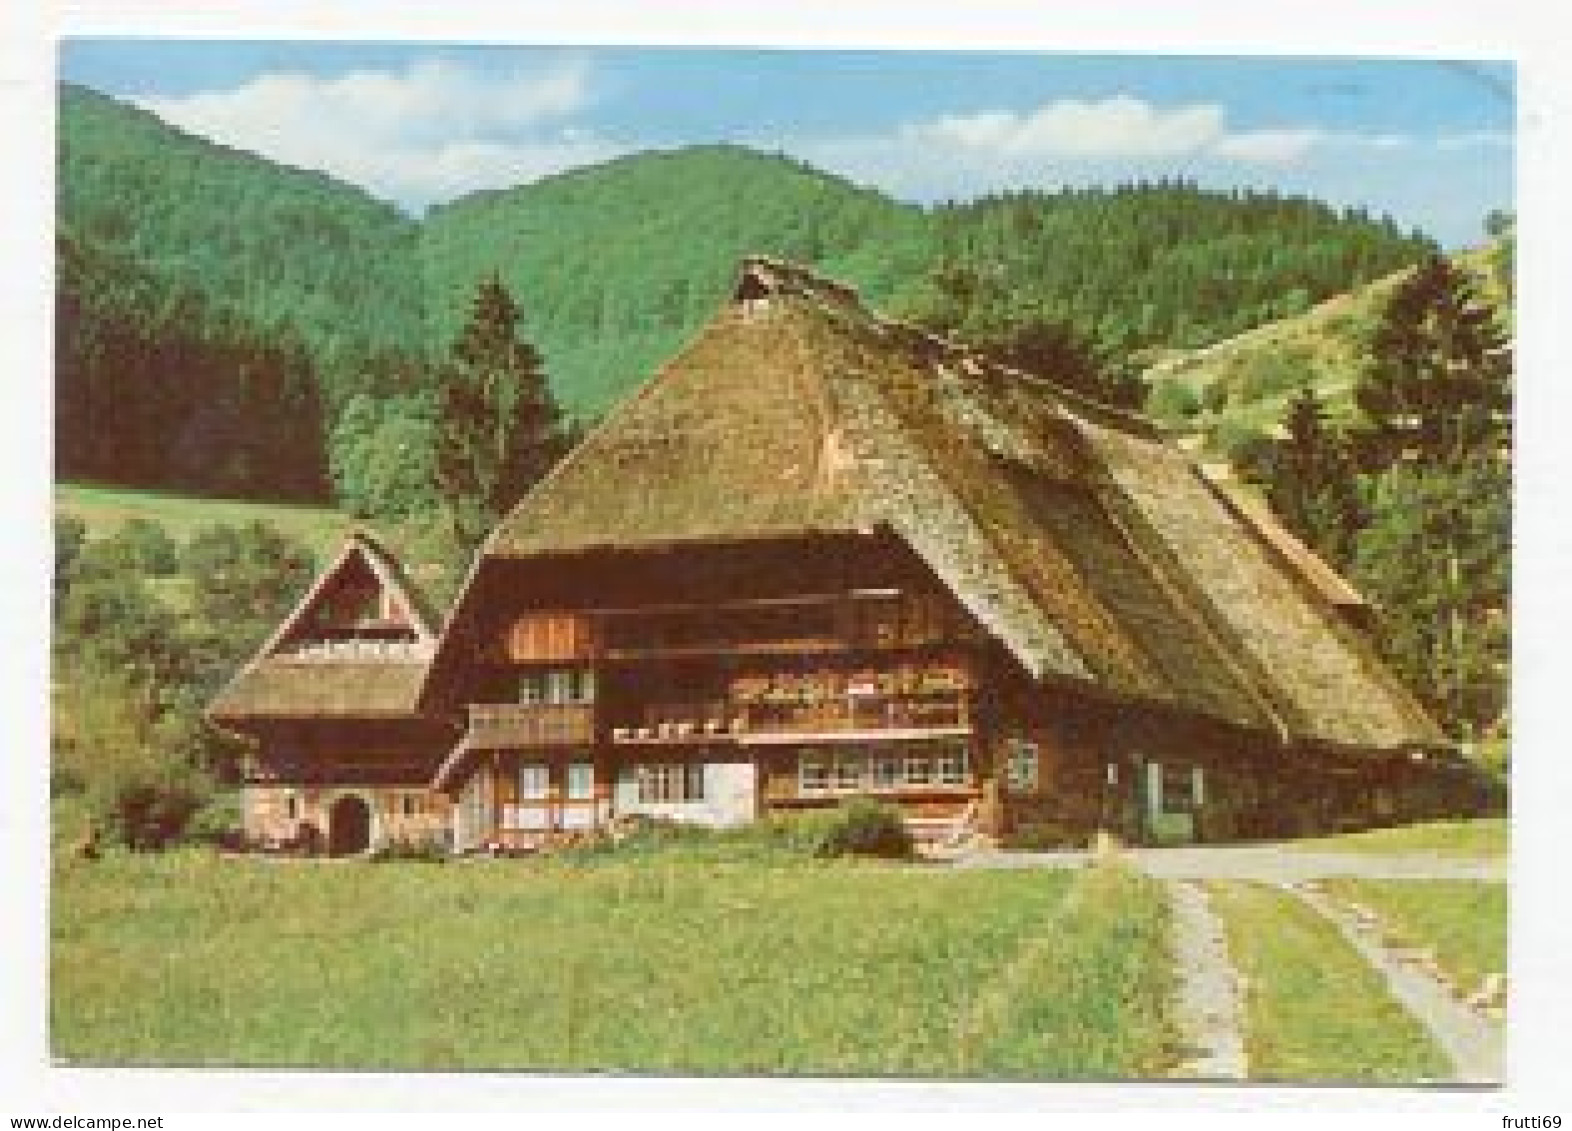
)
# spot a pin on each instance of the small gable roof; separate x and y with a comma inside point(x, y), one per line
point(353, 679)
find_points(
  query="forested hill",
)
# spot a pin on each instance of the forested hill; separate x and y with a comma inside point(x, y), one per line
point(292, 252)
point(208, 298)
point(617, 263)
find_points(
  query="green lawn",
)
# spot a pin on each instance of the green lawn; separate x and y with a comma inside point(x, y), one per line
point(104, 509)
point(1464, 922)
point(1315, 1010)
point(659, 965)
point(1483, 837)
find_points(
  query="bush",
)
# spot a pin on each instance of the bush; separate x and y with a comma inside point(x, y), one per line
point(218, 821)
point(146, 806)
point(865, 827)
point(427, 849)
point(143, 546)
point(105, 745)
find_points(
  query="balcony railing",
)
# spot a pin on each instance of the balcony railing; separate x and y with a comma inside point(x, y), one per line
point(940, 712)
point(500, 725)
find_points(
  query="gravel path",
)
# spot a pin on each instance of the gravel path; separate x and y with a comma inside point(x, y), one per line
point(1210, 1011)
point(1473, 1043)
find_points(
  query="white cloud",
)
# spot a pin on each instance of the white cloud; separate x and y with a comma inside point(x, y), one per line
point(1114, 127)
point(427, 133)
point(1124, 128)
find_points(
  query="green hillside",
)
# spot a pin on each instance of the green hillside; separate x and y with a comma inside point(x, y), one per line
point(616, 264)
point(294, 252)
point(619, 263)
point(104, 510)
point(1227, 394)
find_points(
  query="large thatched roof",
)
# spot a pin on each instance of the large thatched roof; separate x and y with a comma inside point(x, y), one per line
point(1094, 551)
point(294, 676)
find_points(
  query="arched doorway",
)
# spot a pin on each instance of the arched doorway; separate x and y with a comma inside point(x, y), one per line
point(349, 826)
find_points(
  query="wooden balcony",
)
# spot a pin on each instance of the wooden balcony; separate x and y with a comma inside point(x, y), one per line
point(944, 711)
point(921, 714)
point(494, 726)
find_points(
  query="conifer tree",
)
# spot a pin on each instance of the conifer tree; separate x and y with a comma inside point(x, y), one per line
point(497, 429)
point(1310, 481)
point(1439, 387)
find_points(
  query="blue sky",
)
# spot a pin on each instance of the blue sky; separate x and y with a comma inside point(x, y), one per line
point(1431, 143)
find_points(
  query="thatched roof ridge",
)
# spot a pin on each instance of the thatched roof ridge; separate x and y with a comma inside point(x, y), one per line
point(347, 684)
point(1096, 553)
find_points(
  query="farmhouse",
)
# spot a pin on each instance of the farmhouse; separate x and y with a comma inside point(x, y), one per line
point(822, 553)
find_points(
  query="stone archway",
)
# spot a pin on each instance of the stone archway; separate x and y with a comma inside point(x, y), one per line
point(349, 826)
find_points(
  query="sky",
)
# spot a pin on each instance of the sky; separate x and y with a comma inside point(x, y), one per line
point(1430, 143)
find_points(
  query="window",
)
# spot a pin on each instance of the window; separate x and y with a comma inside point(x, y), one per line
point(562, 686)
point(820, 771)
point(886, 772)
point(953, 764)
point(671, 782)
point(292, 807)
point(1021, 766)
point(557, 686)
point(849, 770)
point(1178, 788)
point(813, 772)
point(581, 780)
point(411, 804)
point(534, 781)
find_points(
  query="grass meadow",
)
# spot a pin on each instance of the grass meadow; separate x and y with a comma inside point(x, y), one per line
point(104, 509)
point(1463, 922)
point(1314, 1009)
point(1483, 837)
point(646, 966)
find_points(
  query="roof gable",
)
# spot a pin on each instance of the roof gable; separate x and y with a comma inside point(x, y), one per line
point(357, 644)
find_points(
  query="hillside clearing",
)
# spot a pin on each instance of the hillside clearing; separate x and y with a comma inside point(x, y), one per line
point(104, 509)
point(1239, 388)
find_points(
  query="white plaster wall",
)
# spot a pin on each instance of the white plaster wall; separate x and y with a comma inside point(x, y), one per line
point(730, 792)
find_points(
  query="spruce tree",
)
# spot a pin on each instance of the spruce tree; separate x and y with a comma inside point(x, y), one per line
point(1439, 385)
point(497, 429)
point(1310, 481)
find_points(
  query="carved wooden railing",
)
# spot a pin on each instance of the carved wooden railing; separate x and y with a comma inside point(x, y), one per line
point(708, 722)
point(500, 725)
